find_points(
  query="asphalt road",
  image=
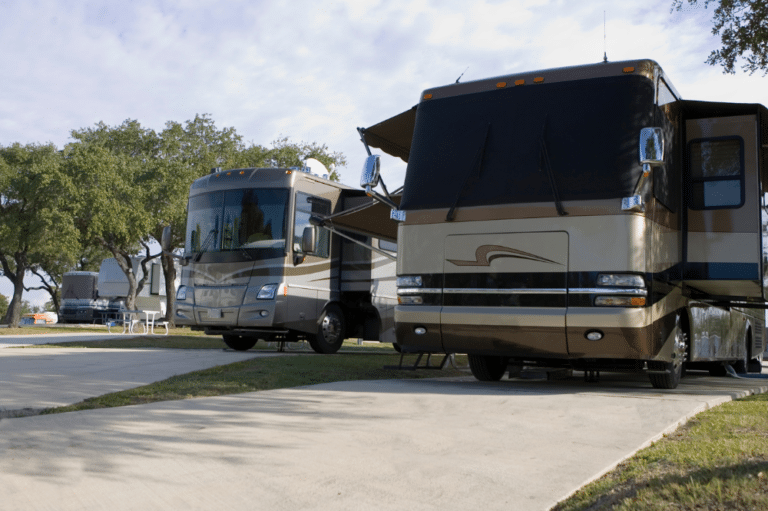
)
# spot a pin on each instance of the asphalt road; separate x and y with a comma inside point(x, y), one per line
point(408, 444)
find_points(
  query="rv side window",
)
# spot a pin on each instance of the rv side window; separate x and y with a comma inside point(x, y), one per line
point(306, 205)
point(388, 246)
point(717, 172)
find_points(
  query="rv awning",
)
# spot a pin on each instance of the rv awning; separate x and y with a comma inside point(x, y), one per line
point(703, 109)
point(363, 215)
point(394, 135)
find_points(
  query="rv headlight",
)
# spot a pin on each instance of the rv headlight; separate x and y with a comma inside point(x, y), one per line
point(265, 292)
point(181, 294)
point(620, 280)
point(409, 281)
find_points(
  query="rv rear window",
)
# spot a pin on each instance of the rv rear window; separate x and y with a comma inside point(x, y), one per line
point(717, 172)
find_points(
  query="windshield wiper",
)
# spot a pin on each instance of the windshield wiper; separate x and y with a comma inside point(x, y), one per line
point(205, 244)
point(547, 164)
point(475, 170)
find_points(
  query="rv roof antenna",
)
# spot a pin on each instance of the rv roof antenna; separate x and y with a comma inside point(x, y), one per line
point(462, 74)
point(605, 48)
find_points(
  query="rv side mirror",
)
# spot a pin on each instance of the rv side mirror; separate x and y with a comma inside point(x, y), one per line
point(165, 239)
point(371, 168)
point(308, 240)
point(651, 146)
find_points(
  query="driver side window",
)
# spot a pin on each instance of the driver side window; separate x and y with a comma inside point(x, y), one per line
point(306, 206)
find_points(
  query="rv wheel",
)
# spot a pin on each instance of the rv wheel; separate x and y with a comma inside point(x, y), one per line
point(673, 371)
point(487, 367)
point(741, 366)
point(239, 343)
point(331, 330)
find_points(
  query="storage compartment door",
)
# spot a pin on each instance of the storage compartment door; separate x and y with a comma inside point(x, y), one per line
point(506, 293)
point(724, 256)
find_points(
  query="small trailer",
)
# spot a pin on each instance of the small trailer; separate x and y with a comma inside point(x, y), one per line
point(264, 258)
point(584, 217)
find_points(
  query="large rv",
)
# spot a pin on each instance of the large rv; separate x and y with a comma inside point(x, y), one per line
point(258, 265)
point(583, 217)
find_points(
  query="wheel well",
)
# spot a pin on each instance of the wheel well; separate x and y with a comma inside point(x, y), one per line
point(362, 319)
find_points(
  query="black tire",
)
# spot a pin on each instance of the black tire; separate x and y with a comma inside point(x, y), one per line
point(669, 380)
point(674, 370)
point(741, 366)
point(487, 367)
point(239, 343)
point(331, 331)
point(755, 366)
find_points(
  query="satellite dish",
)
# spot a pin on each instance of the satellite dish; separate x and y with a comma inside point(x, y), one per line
point(314, 166)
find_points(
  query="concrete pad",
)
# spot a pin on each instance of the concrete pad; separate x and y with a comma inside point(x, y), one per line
point(47, 377)
point(411, 444)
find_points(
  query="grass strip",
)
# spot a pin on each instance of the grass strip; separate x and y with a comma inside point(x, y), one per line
point(717, 461)
point(264, 374)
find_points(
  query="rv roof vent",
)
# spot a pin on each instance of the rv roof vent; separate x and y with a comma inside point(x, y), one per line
point(214, 170)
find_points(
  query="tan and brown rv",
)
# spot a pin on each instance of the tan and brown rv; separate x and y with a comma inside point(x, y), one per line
point(257, 266)
point(583, 217)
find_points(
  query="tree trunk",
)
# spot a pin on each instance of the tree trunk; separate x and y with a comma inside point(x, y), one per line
point(169, 271)
point(124, 261)
point(14, 309)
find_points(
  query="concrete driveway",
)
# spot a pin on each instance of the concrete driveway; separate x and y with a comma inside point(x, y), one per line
point(48, 377)
point(422, 444)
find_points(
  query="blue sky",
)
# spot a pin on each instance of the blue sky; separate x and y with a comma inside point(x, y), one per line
point(314, 70)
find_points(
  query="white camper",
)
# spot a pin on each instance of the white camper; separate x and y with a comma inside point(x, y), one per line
point(266, 258)
point(584, 217)
point(113, 286)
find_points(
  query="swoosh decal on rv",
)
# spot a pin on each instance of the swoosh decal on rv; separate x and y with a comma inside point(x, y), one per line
point(482, 257)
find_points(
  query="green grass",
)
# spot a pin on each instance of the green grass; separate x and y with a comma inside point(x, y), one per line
point(265, 374)
point(718, 461)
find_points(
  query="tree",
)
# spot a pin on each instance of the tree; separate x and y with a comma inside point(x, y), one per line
point(35, 219)
point(111, 198)
point(743, 29)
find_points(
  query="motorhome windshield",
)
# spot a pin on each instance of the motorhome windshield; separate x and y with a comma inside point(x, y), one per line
point(247, 223)
point(487, 148)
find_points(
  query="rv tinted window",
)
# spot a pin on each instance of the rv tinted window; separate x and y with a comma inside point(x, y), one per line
point(388, 246)
point(717, 172)
point(589, 129)
point(238, 222)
